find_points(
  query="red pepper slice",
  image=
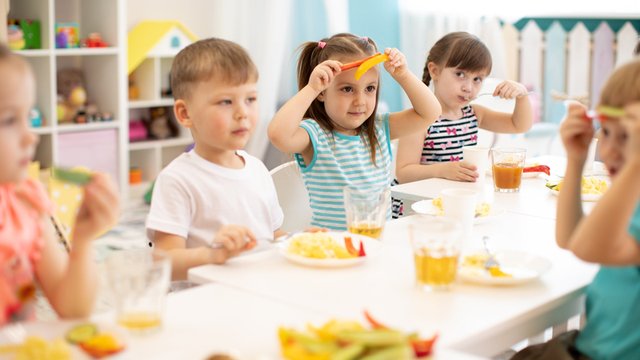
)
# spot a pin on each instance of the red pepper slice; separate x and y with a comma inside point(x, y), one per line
point(355, 64)
point(349, 245)
point(538, 168)
point(361, 251)
point(373, 322)
point(423, 347)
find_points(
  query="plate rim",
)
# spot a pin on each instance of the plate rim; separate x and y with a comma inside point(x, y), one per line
point(493, 212)
point(333, 262)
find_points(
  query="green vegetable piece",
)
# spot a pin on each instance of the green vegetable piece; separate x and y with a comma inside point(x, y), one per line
point(378, 337)
point(81, 333)
point(350, 352)
point(393, 352)
point(71, 176)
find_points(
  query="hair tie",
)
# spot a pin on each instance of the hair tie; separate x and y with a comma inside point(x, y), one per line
point(366, 39)
point(322, 44)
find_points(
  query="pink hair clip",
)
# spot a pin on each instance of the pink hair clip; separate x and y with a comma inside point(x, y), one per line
point(322, 44)
point(366, 39)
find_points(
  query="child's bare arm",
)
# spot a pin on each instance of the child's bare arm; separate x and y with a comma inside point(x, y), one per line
point(232, 238)
point(284, 130)
point(517, 122)
point(425, 106)
point(408, 167)
point(69, 282)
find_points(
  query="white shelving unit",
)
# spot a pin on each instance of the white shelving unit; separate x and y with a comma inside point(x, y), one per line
point(100, 146)
point(151, 77)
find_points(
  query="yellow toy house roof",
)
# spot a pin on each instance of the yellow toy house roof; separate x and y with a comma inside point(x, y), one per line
point(148, 35)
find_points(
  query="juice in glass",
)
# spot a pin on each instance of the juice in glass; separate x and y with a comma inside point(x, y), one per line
point(365, 228)
point(507, 176)
point(140, 321)
point(435, 270)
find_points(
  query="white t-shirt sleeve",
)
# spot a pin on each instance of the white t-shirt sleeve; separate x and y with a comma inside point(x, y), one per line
point(171, 207)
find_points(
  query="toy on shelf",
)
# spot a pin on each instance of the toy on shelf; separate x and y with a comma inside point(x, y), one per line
point(160, 125)
point(134, 90)
point(94, 40)
point(35, 117)
point(137, 130)
point(28, 36)
point(135, 175)
point(15, 38)
point(67, 35)
point(72, 99)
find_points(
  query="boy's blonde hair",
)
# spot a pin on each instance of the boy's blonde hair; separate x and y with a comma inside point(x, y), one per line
point(623, 86)
point(210, 58)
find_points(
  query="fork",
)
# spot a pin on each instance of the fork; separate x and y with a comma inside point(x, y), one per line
point(491, 261)
point(490, 93)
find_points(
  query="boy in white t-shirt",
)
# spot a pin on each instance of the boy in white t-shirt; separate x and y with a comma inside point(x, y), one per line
point(215, 201)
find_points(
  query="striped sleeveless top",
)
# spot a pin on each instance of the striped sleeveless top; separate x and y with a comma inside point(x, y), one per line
point(446, 138)
point(341, 160)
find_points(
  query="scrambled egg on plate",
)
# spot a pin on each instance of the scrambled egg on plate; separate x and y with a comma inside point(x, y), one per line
point(317, 245)
point(590, 186)
point(482, 209)
point(478, 261)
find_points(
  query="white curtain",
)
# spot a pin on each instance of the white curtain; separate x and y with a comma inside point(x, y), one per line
point(261, 26)
point(420, 29)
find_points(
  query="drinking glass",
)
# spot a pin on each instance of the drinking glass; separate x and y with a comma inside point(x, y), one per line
point(507, 165)
point(366, 210)
point(436, 245)
point(139, 281)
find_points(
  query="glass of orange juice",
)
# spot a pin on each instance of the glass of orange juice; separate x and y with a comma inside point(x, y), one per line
point(506, 166)
point(367, 211)
point(139, 281)
point(436, 243)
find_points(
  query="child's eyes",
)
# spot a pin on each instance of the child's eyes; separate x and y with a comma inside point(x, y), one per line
point(371, 88)
point(8, 121)
point(460, 74)
point(252, 99)
point(347, 89)
point(478, 79)
point(225, 102)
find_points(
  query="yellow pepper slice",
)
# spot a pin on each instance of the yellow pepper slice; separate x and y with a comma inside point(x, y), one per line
point(610, 111)
point(369, 63)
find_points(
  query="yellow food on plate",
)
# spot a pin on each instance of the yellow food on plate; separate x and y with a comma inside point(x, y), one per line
point(478, 261)
point(589, 186)
point(35, 347)
point(482, 209)
point(317, 245)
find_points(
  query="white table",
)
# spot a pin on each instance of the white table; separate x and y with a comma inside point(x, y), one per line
point(213, 318)
point(476, 319)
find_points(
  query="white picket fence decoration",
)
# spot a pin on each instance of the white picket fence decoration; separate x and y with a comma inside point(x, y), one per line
point(574, 63)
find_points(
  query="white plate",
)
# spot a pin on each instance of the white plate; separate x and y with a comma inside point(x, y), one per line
point(523, 267)
point(371, 248)
point(16, 334)
point(426, 207)
point(585, 197)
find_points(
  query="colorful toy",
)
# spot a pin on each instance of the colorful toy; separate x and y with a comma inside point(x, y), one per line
point(160, 125)
point(36, 118)
point(67, 35)
point(30, 32)
point(137, 130)
point(94, 40)
point(15, 38)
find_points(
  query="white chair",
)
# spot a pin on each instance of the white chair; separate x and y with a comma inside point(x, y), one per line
point(293, 197)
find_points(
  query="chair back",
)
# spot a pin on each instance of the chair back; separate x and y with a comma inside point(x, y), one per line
point(292, 196)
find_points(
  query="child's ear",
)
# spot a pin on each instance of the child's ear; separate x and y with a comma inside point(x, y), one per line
point(434, 70)
point(182, 113)
point(321, 96)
